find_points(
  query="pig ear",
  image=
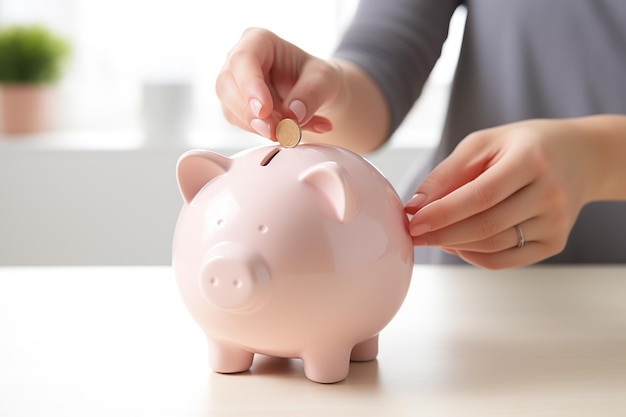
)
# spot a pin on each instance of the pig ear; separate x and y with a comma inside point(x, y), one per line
point(334, 185)
point(198, 167)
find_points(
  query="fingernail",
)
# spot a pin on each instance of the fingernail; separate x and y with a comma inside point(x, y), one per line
point(261, 127)
point(256, 106)
point(299, 110)
point(419, 229)
point(322, 127)
point(416, 201)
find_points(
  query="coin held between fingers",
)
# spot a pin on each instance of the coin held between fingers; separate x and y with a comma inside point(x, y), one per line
point(288, 133)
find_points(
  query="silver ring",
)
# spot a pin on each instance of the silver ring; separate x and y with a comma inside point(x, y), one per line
point(521, 242)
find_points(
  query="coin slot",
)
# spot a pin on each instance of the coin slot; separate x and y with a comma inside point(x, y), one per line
point(269, 157)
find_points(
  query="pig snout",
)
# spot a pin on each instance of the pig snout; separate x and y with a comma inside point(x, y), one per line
point(234, 278)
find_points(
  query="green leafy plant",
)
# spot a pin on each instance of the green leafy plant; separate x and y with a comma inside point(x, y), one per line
point(31, 54)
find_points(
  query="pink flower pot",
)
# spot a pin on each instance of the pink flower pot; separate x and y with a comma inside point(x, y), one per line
point(25, 108)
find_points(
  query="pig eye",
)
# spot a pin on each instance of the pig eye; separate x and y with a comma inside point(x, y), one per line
point(262, 228)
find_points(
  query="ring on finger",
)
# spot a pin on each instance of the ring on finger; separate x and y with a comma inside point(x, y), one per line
point(521, 241)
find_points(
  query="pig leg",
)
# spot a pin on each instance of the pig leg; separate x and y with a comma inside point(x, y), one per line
point(366, 350)
point(227, 359)
point(327, 365)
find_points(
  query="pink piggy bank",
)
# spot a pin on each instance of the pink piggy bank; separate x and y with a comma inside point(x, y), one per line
point(297, 252)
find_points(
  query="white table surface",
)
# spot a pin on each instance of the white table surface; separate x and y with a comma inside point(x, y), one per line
point(117, 341)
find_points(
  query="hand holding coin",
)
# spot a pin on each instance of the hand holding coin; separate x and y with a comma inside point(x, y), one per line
point(288, 133)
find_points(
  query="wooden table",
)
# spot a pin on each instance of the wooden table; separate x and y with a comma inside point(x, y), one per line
point(117, 341)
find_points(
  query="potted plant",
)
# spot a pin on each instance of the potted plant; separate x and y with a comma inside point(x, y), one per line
point(31, 60)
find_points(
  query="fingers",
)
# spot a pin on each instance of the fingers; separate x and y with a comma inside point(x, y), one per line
point(266, 79)
point(510, 258)
point(318, 86)
point(241, 86)
point(489, 238)
point(465, 163)
point(501, 177)
point(492, 226)
point(496, 179)
point(538, 245)
point(236, 110)
point(502, 251)
point(506, 239)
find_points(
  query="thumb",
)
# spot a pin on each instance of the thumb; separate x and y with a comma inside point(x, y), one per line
point(317, 87)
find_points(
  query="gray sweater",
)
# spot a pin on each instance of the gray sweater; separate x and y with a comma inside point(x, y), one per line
point(520, 59)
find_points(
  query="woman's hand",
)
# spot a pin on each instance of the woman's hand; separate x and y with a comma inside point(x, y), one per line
point(535, 174)
point(266, 79)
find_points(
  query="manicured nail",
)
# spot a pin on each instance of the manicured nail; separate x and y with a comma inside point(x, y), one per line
point(261, 127)
point(416, 201)
point(299, 110)
point(322, 127)
point(256, 106)
point(419, 229)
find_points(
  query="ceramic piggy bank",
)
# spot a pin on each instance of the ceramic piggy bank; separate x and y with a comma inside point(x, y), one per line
point(297, 252)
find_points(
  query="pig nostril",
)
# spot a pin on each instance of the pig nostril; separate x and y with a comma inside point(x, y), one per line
point(262, 228)
point(214, 281)
point(220, 222)
point(237, 283)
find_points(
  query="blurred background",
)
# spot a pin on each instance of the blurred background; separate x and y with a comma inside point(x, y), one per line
point(94, 183)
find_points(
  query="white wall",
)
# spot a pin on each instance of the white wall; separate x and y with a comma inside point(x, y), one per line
point(88, 205)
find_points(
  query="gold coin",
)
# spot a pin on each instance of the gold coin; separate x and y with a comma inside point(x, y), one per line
point(288, 133)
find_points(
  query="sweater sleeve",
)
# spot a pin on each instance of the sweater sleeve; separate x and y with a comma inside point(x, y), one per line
point(397, 43)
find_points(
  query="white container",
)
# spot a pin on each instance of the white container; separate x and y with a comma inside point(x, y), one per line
point(166, 108)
